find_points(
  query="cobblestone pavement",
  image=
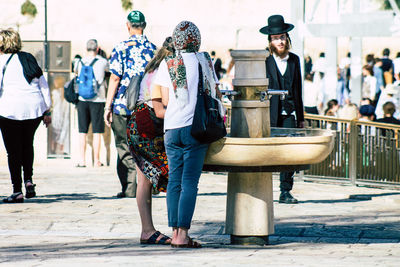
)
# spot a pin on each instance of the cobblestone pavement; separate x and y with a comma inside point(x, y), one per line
point(75, 220)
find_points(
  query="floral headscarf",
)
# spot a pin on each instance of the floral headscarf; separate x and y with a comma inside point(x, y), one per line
point(186, 38)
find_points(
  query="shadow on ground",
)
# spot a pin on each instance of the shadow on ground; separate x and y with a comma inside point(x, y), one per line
point(351, 198)
point(62, 197)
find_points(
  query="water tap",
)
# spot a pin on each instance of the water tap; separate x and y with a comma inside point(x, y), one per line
point(229, 93)
point(270, 92)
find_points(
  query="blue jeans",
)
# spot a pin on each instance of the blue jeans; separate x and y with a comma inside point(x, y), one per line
point(185, 161)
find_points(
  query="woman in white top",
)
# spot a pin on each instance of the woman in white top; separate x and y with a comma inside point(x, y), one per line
point(313, 97)
point(369, 84)
point(178, 75)
point(24, 103)
point(146, 143)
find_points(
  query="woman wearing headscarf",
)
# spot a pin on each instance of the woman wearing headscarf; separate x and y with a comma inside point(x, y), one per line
point(24, 103)
point(178, 75)
point(146, 144)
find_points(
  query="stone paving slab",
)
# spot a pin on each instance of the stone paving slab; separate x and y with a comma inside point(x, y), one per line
point(75, 220)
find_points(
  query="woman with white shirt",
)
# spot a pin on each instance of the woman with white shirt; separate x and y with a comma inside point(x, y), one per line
point(178, 75)
point(24, 102)
point(369, 84)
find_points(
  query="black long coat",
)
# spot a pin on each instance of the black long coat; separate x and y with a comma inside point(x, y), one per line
point(293, 65)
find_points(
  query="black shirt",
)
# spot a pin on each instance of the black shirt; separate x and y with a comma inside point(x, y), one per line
point(388, 120)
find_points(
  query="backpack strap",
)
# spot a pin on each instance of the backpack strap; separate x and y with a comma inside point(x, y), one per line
point(94, 61)
point(4, 70)
point(91, 65)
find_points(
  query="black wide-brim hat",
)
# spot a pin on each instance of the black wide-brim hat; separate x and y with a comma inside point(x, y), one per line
point(276, 25)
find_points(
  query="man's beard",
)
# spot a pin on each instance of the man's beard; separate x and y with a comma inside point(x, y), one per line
point(282, 53)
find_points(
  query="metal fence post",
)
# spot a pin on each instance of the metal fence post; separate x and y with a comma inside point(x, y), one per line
point(353, 152)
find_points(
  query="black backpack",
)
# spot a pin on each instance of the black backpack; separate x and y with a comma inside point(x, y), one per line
point(69, 92)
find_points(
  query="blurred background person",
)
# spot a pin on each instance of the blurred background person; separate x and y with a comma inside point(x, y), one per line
point(387, 67)
point(331, 108)
point(76, 59)
point(345, 65)
point(217, 65)
point(342, 91)
point(388, 110)
point(396, 67)
point(389, 94)
point(91, 110)
point(378, 74)
point(307, 65)
point(367, 113)
point(59, 127)
point(313, 97)
point(369, 83)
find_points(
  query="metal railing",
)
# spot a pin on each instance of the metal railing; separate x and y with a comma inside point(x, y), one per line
point(364, 152)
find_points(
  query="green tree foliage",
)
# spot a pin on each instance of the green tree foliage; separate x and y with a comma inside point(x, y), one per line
point(386, 4)
point(28, 8)
point(127, 5)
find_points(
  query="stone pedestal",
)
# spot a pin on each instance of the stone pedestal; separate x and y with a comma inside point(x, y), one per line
point(251, 119)
point(249, 215)
point(249, 211)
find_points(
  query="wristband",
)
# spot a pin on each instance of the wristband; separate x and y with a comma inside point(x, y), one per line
point(47, 113)
point(107, 108)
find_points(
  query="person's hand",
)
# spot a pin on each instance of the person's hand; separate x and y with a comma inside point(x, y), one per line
point(108, 117)
point(218, 92)
point(301, 124)
point(47, 120)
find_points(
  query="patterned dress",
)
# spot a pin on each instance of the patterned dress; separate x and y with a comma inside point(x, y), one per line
point(129, 58)
point(146, 139)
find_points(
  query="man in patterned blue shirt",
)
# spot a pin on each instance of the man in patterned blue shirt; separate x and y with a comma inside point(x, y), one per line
point(128, 59)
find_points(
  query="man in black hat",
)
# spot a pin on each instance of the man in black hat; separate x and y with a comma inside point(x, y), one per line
point(283, 73)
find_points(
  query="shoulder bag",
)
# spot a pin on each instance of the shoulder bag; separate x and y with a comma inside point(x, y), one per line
point(132, 92)
point(208, 125)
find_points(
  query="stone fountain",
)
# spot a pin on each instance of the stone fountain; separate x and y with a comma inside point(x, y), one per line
point(253, 151)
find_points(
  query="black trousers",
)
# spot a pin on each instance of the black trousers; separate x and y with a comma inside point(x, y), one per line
point(18, 140)
point(286, 178)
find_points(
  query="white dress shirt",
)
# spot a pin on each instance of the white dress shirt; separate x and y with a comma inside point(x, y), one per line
point(281, 63)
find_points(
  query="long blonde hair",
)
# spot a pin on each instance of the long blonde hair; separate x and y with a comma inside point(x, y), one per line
point(10, 41)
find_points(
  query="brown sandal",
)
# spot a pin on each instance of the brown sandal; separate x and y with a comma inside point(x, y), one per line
point(190, 244)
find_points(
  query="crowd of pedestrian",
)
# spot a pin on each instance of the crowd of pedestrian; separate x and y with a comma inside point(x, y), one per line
point(380, 87)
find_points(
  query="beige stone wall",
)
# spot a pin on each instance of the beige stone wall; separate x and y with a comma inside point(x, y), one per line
point(223, 24)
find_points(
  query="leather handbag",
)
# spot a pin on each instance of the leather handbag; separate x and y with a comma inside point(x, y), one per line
point(208, 125)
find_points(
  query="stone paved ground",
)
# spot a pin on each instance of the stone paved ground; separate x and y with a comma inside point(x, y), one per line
point(76, 221)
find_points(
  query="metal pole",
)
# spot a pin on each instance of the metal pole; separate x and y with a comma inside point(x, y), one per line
point(46, 63)
point(353, 152)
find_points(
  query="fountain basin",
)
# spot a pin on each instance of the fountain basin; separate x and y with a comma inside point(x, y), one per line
point(285, 150)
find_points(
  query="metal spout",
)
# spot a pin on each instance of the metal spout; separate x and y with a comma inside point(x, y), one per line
point(270, 92)
point(282, 93)
point(230, 93)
